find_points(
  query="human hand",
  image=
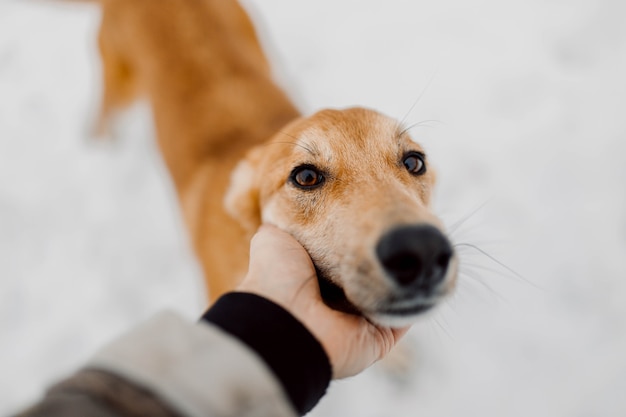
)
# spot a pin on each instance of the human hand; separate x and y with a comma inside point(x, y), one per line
point(282, 271)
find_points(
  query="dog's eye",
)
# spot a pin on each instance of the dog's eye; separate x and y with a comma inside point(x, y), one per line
point(414, 163)
point(306, 176)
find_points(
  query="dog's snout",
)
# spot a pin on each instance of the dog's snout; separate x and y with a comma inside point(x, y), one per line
point(415, 256)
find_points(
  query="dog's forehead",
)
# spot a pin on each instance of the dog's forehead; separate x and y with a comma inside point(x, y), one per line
point(354, 131)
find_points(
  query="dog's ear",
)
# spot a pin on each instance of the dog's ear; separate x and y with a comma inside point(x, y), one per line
point(242, 196)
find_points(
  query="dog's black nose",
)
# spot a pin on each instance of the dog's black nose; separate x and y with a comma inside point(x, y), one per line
point(415, 256)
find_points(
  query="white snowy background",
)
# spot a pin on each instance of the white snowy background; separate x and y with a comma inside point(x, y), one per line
point(529, 103)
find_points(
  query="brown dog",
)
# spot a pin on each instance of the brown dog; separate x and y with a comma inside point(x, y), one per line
point(350, 185)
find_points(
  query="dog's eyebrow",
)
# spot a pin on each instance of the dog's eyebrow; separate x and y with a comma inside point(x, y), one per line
point(311, 149)
point(306, 147)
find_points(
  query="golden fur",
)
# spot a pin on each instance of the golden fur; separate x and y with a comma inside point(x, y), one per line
point(231, 138)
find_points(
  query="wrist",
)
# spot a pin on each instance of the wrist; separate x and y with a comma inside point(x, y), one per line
point(290, 350)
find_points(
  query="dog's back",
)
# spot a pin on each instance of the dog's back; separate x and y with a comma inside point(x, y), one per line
point(201, 66)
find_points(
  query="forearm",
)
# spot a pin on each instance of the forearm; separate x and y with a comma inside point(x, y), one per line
point(235, 367)
point(97, 393)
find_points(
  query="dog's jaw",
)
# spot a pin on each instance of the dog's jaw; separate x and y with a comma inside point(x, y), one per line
point(393, 313)
point(334, 296)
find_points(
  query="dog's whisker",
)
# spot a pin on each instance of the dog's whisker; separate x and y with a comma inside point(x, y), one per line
point(482, 243)
point(443, 328)
point(423, 123)
point(484, 268)
point(282, 132)
point(419, 98)
point(498, 262)
point(309, 150)
point(483, 284)
point(443, 318)
point(455, 226)
point(452, 301)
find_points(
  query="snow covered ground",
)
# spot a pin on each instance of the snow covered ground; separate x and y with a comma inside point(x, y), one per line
point(530, 102)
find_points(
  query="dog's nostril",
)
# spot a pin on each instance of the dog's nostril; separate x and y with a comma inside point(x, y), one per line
point(416, 256)
point(440, 266)
point(405, 267)
point(443, 260)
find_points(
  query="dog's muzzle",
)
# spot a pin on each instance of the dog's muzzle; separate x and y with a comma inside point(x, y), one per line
point(416, 258)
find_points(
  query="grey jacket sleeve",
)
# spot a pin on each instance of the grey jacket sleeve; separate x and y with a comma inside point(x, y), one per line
point(223, 366)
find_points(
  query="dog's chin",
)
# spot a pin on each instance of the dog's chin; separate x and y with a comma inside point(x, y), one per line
point(398, 317)
point(390, 316)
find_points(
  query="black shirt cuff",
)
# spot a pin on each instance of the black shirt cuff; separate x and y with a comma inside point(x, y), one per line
point(295, 356)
